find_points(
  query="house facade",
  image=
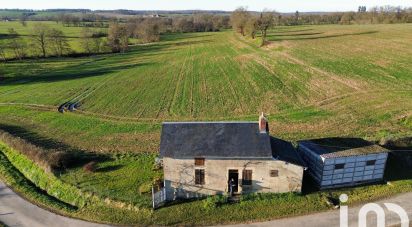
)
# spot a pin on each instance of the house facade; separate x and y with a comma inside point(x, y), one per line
point(205, 158)
point(343, 162)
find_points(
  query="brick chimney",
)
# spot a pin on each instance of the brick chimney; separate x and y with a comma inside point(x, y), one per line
point(263, 124)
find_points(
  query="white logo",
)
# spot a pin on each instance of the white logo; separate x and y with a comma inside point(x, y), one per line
point(372, 207)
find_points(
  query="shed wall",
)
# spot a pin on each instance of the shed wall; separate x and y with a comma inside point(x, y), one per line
point(355, 171)
point(313, 161)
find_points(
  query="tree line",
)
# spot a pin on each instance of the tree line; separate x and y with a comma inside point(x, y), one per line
point(375, 15)
point(44, 41)
point(249, 23)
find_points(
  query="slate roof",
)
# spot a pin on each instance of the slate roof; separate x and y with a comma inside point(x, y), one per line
point(342, 147)
point(182, 140)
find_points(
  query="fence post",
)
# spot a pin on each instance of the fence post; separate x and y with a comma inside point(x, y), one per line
point(153, 198)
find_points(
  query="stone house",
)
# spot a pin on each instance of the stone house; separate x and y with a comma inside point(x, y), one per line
point(200, 158)
point(343, 162)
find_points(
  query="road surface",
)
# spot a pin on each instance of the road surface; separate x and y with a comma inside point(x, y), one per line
point(16, 211)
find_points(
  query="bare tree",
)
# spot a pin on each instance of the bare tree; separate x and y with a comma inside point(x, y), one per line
point(86, 40)
point(118, 38)
point(91, 41)
point(297, 17)
point(23, 19)
point(149, 31)
point(239, 19)
point(16, 44)
point(265, 21)
point(97, 44)
point(2, 51)
point(218, 22)
point(58, 42)
point(40, 37)
point(347, 18)
point(183, 24)
point(251, 27)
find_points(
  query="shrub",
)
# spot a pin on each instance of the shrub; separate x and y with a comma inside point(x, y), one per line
point(145, 188)
point(90, 167)
point(212, 202)
point(59, 160)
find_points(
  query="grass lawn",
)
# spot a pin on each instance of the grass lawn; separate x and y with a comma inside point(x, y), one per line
point(125, 177)
point(312, 81)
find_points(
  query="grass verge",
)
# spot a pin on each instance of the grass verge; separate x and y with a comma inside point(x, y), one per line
point(47, 182)
point(15, 179)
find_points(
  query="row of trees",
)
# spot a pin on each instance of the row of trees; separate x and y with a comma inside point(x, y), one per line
point(200, 23)
point(375, 15)
point(43, 41)
point(85, 20)
point(247, 23)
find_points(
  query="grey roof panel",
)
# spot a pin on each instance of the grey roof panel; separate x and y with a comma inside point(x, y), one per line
point(214, 139)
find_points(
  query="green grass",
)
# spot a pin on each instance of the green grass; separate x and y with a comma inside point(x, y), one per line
point(119, 178)
point(14, 178)
point(47, 182)
point(312, 81)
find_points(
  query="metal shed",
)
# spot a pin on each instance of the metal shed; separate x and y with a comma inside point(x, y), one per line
point(342, 162)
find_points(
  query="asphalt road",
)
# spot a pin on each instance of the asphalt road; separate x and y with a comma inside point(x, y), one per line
point(15, 211)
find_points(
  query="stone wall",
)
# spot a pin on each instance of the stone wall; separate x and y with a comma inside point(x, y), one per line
point(179, 175)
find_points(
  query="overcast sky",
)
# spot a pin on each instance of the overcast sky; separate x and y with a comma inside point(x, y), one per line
point(278, 5)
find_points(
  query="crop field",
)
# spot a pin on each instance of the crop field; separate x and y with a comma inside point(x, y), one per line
point(358, 77)
point(311, 81)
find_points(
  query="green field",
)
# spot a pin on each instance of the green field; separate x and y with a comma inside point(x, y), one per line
point(312, 81)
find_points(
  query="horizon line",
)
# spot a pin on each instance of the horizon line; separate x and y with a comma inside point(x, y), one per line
point(218, 10)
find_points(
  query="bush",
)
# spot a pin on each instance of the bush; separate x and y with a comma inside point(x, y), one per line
point(212, 202)
point(90, 167)
point(145, 188)
point(59, 160)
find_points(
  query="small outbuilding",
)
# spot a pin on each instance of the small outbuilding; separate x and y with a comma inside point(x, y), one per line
point(208, 158)
point(343, 162)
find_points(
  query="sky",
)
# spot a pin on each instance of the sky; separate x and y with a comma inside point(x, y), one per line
point(228, 5)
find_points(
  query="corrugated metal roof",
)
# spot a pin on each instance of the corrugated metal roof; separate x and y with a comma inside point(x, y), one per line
point(214, 139)
point(342, 147)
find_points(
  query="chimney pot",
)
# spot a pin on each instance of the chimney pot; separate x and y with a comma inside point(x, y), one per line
point(263, 124)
